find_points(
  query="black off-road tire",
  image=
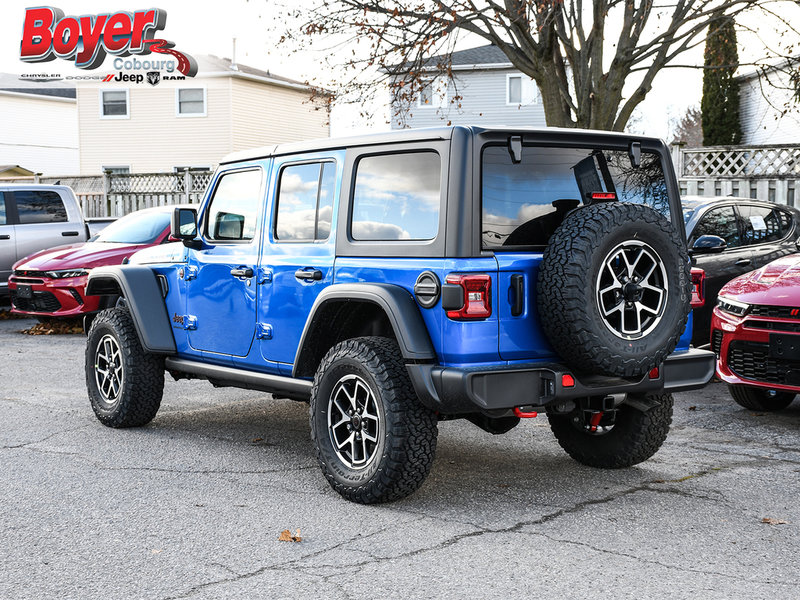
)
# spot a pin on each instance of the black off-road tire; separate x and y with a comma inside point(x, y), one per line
point(138, 397)
point(760, 399)
point(405, 448)
point(567, 289)
point(636, 435)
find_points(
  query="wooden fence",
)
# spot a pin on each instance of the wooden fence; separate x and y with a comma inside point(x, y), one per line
point(770, 173)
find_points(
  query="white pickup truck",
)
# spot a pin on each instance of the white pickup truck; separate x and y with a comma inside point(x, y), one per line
point(34, 217)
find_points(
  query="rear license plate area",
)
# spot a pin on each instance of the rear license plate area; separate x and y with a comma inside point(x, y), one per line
point(24, 291)
point(786, 347)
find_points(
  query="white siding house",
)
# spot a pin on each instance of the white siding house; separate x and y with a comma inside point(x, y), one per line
point(768, 111)
point(38, 126)
point(490, 92)
point(192, 123)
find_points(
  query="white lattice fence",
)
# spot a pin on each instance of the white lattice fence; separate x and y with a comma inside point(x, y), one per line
point(742, 162)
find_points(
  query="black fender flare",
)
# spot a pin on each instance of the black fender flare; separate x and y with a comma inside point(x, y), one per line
point(142, 292)
point(396, 302)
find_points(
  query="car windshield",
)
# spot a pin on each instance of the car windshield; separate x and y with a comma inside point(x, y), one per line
point(525, 201)
point(136, 228)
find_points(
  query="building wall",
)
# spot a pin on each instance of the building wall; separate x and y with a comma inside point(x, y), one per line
point(760, 116)
point(39, 133)
point(153, 138)
point(264, 115)
point(483, 102)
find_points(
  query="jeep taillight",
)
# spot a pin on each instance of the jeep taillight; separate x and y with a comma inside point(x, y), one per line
point(698, 287)
point(474, 298)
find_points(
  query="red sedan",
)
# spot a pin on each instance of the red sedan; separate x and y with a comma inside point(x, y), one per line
point(51, 283)
point(755, 332)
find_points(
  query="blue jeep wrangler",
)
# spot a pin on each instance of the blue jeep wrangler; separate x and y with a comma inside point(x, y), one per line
point(400, 279)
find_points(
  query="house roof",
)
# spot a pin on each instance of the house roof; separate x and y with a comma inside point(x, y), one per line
point(55, 89)
point(15, 171)
point(482, 55)
point(210, 65)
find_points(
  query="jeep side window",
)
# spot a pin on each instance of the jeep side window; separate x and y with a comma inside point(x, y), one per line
point(234, 207)
point(3, 218)
point(43, 206)
point(305, 202)
point(397, 197)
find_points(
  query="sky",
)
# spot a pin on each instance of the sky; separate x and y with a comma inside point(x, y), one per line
point(256, 27)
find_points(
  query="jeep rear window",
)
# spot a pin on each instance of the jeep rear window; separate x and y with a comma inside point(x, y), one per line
point(524, 203)
point(234, 206)
point(397, 197)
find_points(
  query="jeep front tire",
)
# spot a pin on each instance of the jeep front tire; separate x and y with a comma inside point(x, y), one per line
point(374, 440)
point(124, 382)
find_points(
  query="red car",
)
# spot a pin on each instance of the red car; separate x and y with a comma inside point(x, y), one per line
point(755, 332)
point(51, 283)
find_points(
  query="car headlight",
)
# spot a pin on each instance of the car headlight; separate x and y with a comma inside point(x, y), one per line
point(734, 307)
point(66, 273)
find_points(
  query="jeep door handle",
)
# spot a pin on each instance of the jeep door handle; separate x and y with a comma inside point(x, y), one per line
point(313, 274)
point(242, 272)
point(742, 262)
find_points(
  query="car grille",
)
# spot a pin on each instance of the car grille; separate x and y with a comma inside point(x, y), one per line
point(773, 325)
point(751, 360)
point(21, 273)
point(41, 302)
point(779, 312)
point(716, 341)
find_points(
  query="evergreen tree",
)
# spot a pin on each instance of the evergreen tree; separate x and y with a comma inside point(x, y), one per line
point(720, 103)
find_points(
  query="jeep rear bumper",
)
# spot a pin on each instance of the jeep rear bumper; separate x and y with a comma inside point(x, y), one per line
point(454, 390)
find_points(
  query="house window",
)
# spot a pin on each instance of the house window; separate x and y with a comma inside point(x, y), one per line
point(114, 104)
point(433, 93)
point(521, 89)
point(190, 102)
point(116, 170)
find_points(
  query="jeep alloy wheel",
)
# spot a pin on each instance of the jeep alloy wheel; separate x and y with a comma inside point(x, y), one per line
point(632, 289)
point(109, 373)
point(354, 422)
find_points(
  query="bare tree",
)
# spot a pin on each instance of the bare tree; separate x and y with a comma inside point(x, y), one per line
point(688, 129)
point(594, 61)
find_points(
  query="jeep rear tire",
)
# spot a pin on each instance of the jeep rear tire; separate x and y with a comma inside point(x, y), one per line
point(124, 382)
point(760, 399)
point(634, 437)
point(614, 289)
point(374, 440)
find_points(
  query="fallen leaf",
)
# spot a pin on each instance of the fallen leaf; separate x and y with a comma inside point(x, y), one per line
point(7, 315)
point(771, 521)
point(55, 327)
point(257, 440)
point(692, 408)
point(286, 536)
point(157, 551)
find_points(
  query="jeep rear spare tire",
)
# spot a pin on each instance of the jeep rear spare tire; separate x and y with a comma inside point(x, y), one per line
point(614, 289)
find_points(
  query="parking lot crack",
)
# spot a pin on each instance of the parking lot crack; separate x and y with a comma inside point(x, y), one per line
point(26, 445)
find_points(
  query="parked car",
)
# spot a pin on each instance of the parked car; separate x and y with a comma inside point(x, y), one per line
point(34, 217)
point(52, 283)
point(755, 333)
point(731, 236)
point(399, 279)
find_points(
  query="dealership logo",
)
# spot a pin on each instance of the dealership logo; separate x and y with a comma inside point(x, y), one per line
point(47, 34)
point(153, 77)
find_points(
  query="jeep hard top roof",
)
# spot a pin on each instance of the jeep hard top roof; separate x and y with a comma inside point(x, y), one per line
point(418, 135)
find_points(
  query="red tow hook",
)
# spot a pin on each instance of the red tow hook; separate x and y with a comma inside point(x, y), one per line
point(594, 422)
point(525, 415)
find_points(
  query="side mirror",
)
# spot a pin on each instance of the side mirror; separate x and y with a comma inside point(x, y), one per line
point(183, 225)
point(708, 244)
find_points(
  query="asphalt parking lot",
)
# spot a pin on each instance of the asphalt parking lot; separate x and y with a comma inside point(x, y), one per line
point(192, 505)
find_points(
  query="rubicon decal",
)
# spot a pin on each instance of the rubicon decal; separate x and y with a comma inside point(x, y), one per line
point(47, 34)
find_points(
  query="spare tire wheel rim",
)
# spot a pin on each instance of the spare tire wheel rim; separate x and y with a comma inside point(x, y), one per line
point(632, 290)
point(354, 422)
point(108, 370)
